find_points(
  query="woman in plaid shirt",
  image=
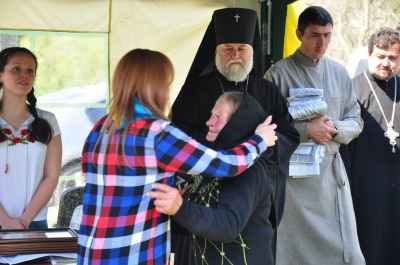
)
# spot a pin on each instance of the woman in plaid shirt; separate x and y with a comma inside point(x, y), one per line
point(135, 146)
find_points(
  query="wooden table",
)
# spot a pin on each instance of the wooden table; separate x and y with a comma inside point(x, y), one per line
point(39, 261)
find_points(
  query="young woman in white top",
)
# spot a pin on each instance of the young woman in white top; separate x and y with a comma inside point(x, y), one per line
point(30, 145)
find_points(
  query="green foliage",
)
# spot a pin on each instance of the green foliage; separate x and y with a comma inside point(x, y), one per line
point(67, 61)
point(355, 21)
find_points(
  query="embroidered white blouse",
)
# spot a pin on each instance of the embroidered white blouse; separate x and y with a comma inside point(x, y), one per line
point(21, 165)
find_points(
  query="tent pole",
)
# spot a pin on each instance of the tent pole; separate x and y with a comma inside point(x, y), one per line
point(265, 7)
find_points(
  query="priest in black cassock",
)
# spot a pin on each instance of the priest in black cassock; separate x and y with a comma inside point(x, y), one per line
point(374, 167)
point(229, 58)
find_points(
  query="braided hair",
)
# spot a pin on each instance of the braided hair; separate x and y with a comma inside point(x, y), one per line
point(39, 130)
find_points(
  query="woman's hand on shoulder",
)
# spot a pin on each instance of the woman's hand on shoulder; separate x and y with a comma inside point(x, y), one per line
point(168, 199)
point(267, 131)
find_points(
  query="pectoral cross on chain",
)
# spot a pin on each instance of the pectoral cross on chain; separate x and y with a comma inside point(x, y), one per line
point(392, 135)
point(237, 17)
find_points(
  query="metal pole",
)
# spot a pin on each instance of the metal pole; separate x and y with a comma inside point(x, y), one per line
point(266, 8)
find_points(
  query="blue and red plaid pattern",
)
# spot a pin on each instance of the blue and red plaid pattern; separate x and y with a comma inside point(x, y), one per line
point(120, 224)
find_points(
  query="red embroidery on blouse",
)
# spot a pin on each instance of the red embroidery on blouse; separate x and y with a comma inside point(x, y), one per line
point(13, 140)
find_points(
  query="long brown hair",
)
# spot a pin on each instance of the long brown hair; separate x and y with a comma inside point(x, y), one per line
point(140, 73)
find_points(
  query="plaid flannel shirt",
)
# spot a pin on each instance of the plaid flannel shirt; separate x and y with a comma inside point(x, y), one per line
point(120, 224)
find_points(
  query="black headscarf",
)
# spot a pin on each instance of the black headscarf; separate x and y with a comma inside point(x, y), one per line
point(241, 125)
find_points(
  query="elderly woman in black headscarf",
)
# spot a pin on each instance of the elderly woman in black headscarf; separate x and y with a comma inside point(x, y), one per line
point(228, 219)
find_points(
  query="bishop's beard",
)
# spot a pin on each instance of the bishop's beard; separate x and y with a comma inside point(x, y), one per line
point(236, 73)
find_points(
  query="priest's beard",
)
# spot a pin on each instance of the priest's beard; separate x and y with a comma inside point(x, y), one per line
point(236, 73)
